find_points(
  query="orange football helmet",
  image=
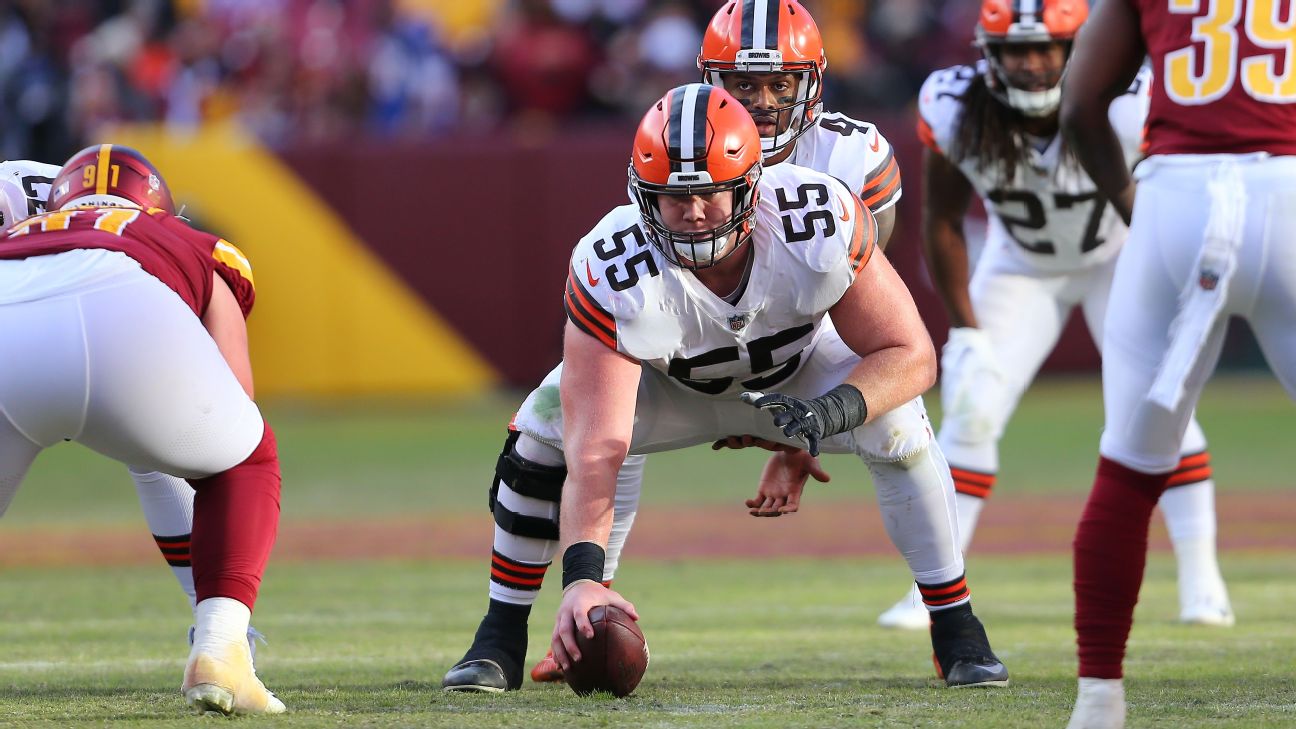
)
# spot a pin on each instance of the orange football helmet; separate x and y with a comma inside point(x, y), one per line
point(696, 140)
point(1005, 22)
point(109, 175)
point(769, 36)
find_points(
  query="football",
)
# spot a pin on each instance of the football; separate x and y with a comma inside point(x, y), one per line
point(614, 660)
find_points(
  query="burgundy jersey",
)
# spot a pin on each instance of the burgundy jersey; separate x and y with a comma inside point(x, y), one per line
point(1225, 81)
point(164, 245)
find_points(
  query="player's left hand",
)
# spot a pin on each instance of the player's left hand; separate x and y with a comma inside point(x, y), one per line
point(573, 615)
point(796, 417)
point(783, 480)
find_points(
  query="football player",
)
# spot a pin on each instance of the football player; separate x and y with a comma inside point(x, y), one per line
point(712, 288)
point(122, 328)
point(167, 501)
point(1213, 223)
point(1053, 239)
point(769, 55)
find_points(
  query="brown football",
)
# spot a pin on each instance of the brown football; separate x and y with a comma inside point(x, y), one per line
point(614, 660)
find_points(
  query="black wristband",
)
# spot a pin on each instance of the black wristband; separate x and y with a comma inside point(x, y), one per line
point(840, 409)
point(583, 561)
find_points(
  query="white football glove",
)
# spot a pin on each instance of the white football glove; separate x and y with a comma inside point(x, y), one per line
point(971, 381)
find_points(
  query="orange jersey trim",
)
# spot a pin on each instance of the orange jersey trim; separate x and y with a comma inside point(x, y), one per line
point(861, 249)
point(926, 135)
point(587, 315)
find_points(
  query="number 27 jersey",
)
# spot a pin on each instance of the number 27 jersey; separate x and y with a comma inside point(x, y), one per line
point(812, 237)
point(1050, 216)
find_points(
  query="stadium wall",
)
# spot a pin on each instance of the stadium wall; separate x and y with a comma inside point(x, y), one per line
point(438, 266)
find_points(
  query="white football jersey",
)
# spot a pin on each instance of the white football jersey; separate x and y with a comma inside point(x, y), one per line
point(854, 152)
point(33, 179)
point(1050, 217)
point(811, 239)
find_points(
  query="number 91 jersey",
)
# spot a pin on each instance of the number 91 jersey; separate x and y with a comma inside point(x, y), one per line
point(1050, 216)
point(811, 238)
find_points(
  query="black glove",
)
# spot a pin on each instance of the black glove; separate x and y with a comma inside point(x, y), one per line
point(837, 411)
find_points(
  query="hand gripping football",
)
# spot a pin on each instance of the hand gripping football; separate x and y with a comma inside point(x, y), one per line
point(614, 660)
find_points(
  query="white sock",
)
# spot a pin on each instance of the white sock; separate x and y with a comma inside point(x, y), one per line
point(220, 621)
point(969, 513)
point(1189, 511)
point(167, 502)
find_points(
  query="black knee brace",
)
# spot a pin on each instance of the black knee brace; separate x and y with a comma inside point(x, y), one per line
point(529, 479)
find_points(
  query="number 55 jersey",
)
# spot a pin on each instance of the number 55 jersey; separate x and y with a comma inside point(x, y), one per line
point(1049, 217)
point(811, 238)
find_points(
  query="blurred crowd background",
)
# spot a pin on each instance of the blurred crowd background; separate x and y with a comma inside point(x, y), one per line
point(323, 70)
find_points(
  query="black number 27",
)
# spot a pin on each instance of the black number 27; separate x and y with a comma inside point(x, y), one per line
point(1033, 217)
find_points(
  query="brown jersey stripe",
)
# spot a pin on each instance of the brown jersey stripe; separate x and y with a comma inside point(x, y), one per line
point(581, 312)
point(864, 239)
point(879, 176)
point(588, 304)
point(890, 185)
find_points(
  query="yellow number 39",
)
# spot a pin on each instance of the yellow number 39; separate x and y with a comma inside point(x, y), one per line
point(1217, 32)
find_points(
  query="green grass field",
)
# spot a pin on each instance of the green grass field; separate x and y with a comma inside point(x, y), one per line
point(774, 643)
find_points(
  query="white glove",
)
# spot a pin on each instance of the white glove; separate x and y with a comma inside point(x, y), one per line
point(971, 382)
point(969, 350)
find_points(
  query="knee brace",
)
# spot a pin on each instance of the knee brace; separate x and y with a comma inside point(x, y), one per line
point(529, 479)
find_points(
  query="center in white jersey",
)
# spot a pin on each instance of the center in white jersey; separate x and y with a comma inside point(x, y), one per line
point(1050, 216)
point(812, 237)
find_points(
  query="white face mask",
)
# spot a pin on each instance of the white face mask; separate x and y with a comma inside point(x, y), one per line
point(703, 254)
point(1033, 103)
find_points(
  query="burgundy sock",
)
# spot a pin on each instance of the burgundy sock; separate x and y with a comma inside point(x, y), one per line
point(236, 518)
point(1110, 553)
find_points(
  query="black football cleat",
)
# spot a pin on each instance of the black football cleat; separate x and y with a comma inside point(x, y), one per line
point(494, 662)
point(479, 675)
point(962, 651)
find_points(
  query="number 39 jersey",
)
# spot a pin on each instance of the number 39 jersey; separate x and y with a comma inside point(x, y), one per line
point(1050, 217)
point(812, 237)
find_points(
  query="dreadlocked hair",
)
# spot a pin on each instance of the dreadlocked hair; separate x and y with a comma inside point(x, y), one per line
point(993, 133)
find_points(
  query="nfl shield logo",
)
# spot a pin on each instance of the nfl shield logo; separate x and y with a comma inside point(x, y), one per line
point(737, 322)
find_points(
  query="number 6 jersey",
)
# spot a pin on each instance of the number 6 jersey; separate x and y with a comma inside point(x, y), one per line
point(812, 237)
point(1050, 217)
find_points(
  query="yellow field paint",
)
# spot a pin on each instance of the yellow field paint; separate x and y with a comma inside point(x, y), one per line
point(331, 317)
